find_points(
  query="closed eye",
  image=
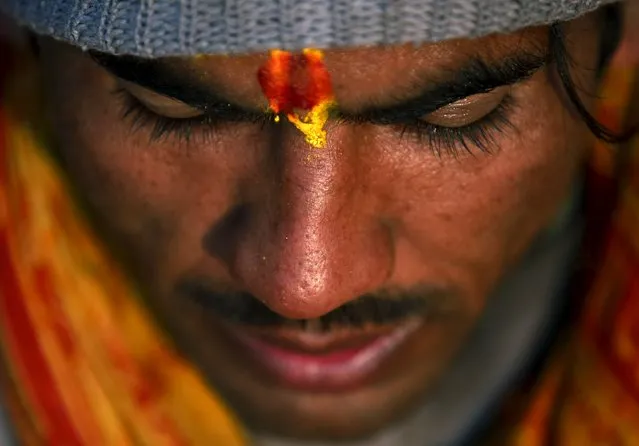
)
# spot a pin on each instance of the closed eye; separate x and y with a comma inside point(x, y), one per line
point(167, 116)
point(459, 129)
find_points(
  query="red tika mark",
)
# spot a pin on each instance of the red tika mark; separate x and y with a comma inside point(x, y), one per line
point(275, 79)
point(279, 78)
point(319, 88)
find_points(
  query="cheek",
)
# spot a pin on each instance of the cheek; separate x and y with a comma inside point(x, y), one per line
point(149, 197)
point(118, 178)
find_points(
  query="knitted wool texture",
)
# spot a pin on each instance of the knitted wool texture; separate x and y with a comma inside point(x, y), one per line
point(154, 28)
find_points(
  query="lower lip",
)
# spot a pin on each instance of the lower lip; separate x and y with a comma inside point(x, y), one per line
point(329, 371)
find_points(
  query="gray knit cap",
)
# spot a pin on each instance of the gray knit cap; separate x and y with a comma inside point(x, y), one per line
point(153, 28)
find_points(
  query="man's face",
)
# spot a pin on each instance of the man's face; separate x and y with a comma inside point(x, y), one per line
point(324, 291)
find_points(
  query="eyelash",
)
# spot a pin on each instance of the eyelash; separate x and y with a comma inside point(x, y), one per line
point(454, 141)
point(449, 141)
point(184, 129)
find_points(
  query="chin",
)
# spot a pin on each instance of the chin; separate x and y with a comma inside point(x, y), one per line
point(331, 419)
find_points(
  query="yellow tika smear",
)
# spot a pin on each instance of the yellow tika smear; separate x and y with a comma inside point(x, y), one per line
point(313, 123)
point(316, 99)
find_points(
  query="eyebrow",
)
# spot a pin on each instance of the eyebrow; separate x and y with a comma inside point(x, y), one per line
point(158, 76)
point(474, 77)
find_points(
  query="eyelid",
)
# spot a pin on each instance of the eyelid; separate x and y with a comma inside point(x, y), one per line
point(160, 104)
point(481, 133)
point(467, 110)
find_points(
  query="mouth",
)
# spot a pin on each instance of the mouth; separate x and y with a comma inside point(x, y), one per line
point(321, 361)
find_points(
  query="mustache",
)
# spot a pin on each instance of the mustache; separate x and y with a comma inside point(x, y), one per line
point(380, 308)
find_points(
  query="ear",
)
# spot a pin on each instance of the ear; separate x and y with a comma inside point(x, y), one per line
point(629, 48)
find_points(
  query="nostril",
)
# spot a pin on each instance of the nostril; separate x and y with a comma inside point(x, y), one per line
point(219, 240)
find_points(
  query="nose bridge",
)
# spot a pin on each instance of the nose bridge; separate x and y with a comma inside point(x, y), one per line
point(313, 186)
point(307, 205)
point(309, 245)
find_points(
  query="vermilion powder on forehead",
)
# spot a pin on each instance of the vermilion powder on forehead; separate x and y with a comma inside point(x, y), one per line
point(300, 82)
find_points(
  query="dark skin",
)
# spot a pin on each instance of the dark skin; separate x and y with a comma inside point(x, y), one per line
point(372, 212)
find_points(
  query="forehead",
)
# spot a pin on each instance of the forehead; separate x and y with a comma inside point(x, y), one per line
point(367, 73)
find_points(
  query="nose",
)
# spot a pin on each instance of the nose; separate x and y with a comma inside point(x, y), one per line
point(309, 239)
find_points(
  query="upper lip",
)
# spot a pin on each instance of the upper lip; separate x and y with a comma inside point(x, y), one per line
point(319, 342)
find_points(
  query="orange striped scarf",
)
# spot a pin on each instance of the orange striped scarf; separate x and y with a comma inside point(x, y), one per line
point(84, 364)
